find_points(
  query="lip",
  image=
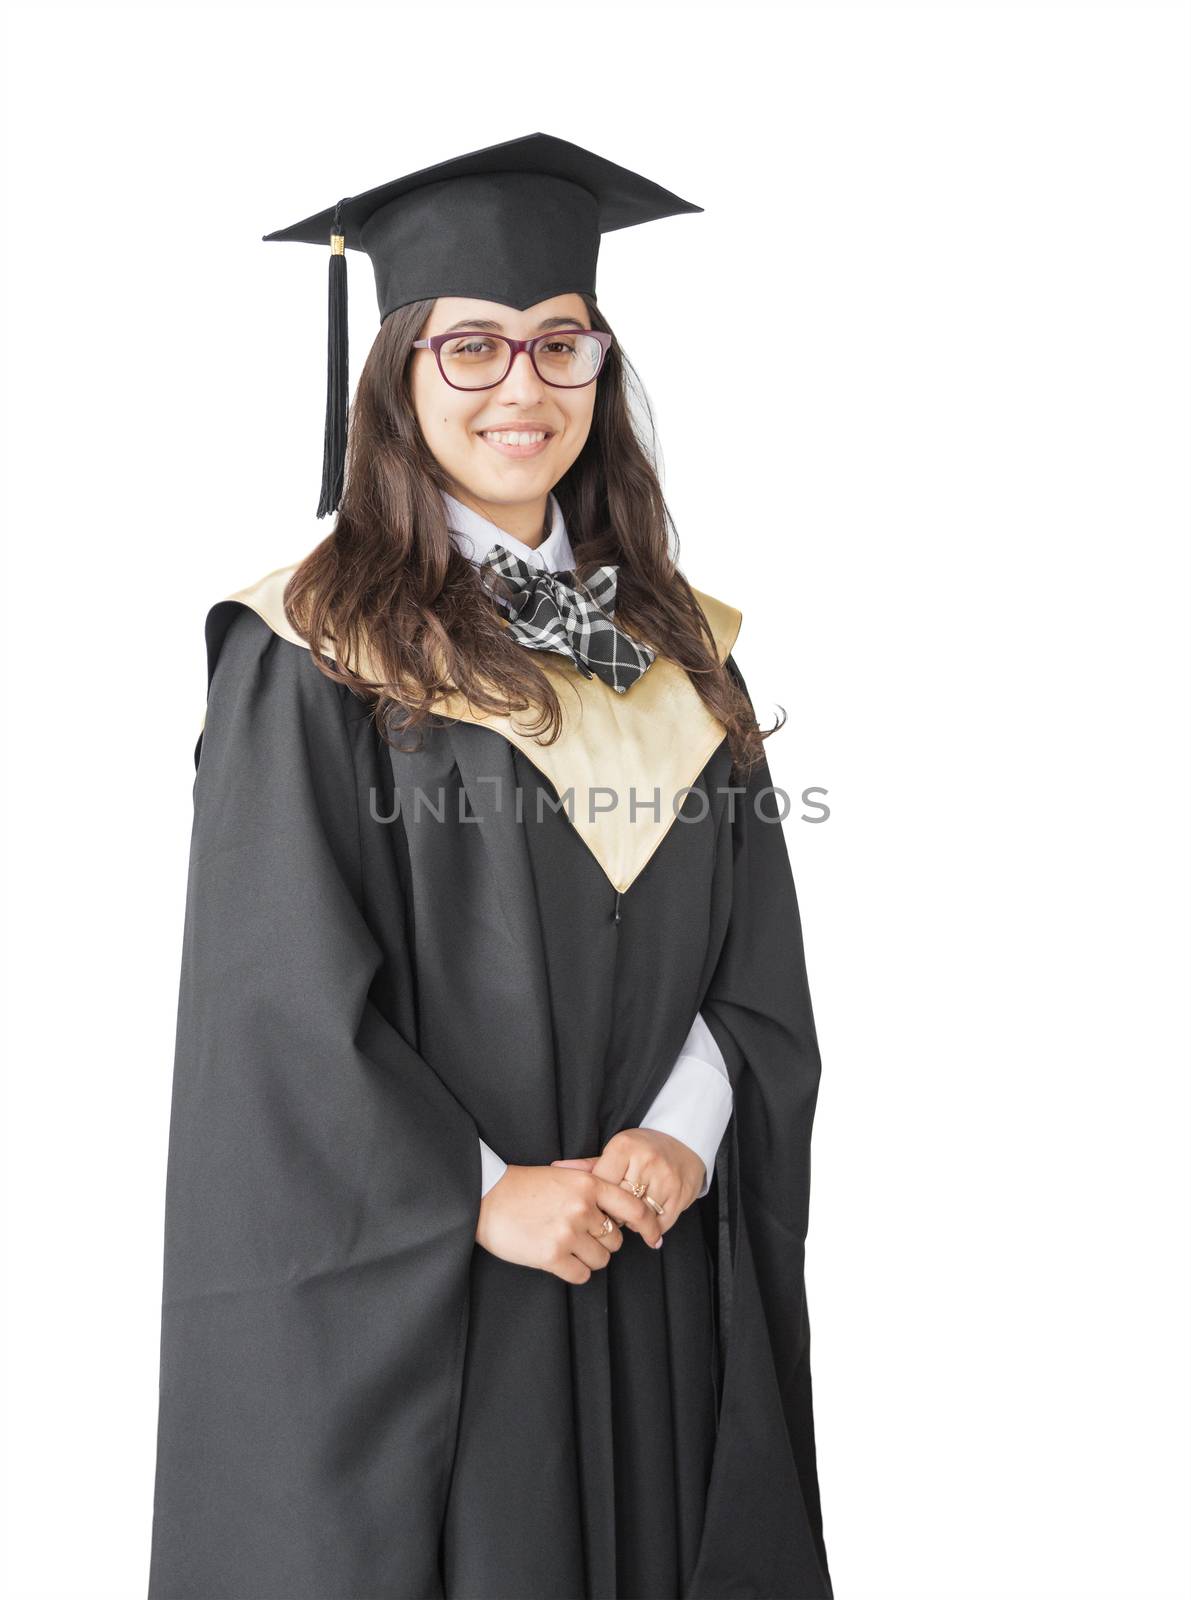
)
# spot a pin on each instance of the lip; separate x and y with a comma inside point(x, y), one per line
point(519, 451)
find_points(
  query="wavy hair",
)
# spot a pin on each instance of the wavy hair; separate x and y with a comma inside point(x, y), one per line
point(390, 592)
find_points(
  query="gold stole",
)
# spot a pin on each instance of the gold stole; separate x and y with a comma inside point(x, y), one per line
point(616, 754)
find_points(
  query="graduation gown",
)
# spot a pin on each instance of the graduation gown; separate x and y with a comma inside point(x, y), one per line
point(356, 1399)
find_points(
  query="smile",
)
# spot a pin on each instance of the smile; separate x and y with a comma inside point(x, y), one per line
point(515, 442)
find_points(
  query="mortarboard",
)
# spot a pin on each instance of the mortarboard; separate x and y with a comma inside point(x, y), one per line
point(517, 223)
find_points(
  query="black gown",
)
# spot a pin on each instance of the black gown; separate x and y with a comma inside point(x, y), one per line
point(386, 955)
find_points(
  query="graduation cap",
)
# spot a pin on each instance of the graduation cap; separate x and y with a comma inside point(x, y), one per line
point(517, 223)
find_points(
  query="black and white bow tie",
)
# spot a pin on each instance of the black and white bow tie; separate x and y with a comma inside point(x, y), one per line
point(555, 611)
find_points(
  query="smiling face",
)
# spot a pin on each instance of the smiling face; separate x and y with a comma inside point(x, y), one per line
point(508, 484)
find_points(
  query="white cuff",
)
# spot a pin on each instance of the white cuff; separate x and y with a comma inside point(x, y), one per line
point(492, 1168)
point(694, 1105)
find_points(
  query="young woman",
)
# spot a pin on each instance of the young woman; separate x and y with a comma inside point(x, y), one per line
point(496, 1065)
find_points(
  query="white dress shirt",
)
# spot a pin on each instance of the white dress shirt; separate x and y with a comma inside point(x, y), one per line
point(695, 1102)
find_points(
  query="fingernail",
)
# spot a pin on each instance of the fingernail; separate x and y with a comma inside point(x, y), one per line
point(661, 1242)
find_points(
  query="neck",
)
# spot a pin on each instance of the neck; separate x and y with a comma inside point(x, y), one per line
point(530, 521)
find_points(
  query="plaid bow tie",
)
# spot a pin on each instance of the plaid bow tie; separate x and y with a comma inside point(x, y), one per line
point(555, 611)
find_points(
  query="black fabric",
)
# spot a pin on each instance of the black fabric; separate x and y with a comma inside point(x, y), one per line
point(758, 1008)
point(517, 222)
point(356, 1399)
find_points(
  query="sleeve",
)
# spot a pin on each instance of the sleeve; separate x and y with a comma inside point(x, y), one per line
point(323, 1184)
point(758, 1006)
point(695, 1101)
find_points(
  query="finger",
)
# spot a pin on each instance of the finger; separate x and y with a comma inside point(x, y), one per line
point(656, 1189)
point(669, 1207)
point(590, 1251)
point(611, 1238)
point(660, 1186)
point(584, 1162)
point(571, 1270)
point(624, 1207)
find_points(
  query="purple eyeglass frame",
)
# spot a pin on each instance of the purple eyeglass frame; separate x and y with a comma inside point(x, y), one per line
point(436, 342)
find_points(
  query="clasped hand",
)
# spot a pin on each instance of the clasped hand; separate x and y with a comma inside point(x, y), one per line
point(552, 1217)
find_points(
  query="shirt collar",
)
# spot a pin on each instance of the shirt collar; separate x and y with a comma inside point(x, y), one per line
point(475, 535)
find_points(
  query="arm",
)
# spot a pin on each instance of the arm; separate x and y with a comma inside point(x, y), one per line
point(695, 1102)
point(693, 1105)
point(323, 1184)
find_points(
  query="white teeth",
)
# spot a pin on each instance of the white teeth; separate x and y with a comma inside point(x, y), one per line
point(515, 438)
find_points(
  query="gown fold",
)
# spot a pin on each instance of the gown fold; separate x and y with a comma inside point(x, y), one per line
point(356, 1400)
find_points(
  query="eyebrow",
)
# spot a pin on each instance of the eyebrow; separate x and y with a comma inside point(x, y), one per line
point(496, 327)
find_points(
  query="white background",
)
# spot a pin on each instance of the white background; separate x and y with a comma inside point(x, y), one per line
point(921, 378)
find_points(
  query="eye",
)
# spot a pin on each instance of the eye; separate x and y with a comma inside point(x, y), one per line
point(473, 346)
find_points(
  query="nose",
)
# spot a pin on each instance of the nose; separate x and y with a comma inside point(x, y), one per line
point(521, 382)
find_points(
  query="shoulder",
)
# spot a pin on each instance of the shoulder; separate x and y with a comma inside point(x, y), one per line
point(258, 665)
point(724, 620)
point(245, 609)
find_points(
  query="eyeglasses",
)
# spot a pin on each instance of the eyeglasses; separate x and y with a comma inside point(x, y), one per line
point(566, 358)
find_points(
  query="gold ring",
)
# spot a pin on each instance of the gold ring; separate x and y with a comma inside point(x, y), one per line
point(638, 1189)
point(650, 1201)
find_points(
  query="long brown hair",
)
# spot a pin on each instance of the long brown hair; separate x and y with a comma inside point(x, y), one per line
point(390, 581)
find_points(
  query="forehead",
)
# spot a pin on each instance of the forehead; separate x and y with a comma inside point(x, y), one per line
point(452, 309)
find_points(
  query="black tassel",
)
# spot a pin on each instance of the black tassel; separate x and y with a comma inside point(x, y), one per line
point(335, 428)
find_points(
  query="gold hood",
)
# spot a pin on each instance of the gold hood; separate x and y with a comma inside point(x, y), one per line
point(647, 745)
